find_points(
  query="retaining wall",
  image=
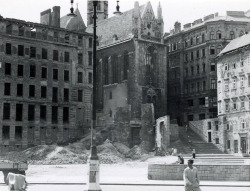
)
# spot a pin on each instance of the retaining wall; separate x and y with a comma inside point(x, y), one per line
point(215, 172)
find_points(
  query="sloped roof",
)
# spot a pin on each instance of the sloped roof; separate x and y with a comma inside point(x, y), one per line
point(73, 23)
point(121, 26)
point(236, 43)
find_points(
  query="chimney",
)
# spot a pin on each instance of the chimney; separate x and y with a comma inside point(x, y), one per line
point(177, 27)
point(187, 26)
point(45, 17)
point(55, 16)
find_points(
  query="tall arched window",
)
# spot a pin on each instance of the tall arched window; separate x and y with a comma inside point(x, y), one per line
point(150, 64)
point(106, 70)
point(212, 36)
point(114, 69)
point(218, 35)
point(125, 65)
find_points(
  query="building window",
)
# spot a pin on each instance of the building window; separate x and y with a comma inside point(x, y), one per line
point(213, 84)
point(80, 77)
point(242, 104)
point(43, 112)
point(227, 106)
point(44, 73)
point(202, 116)
point(202, 101)
point(66, 56)
point(110, 113)
point(18, 133)
point(6, 133)
point(55, 94)
point(232, 35)
point(242, 82)
point(203, 38)
point(31, 91)
point(19, 112)
point(66, 38)
point(212, 50)
point(20, 70)
point(226, 67)
point(234, 65)
point(56, 36)
point(8, 48)
point(190, 117)
point(197, 39)
point(80, 92)
point(228, 144)
point(32, 71)
point(32, 52)
point(228, 127)
point(90, 78)
point(126, 65)
point(43, 91)
point(217, 141)
point(190, 103)
point(192, 70)
point(234, 105)
point(54, 115)
point(66, 75)
point(66, 94)
point(31, 112)
point(234, 83)
point(90, 42)
point(226, 86)
point(8, 28)
point(44, 53)
point(65, 115)
point(19, 90)
point(218, 35)
point(198, 86)
point(55, 74)
point(243, 124)
point(55, 55)
point(204, 85)
point(80, 60)
point(216, 126)
point(212, 36)
point(212, 66)
point(197, 54)
point(20, 50)
point(191, 41)
point(203, 53)
point(79, 40)
point(6, 111)
point(248, 80)
point(192, 56)
point(219, 48)
point(90, 58)
point(186, 69)
point(7, 69)
point(209, 125)
point(203, 67)
point(7, 89)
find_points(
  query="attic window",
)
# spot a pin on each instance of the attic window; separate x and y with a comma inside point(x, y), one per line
point(115, 37)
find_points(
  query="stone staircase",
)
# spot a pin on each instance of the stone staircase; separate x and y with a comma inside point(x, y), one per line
point(190, 140)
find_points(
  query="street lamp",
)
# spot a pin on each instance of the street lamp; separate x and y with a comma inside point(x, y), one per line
point(93, 162)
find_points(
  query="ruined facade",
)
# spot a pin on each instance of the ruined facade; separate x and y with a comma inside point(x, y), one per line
point(191, 64)
point(46, 76)
point(131, 68)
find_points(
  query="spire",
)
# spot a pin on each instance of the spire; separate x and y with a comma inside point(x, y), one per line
point(117, 12)
point(159, 11)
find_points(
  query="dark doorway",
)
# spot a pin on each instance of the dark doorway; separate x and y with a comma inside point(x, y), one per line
point(135, 136)
point(209, 137)
point(243, 145)
point(236, 146)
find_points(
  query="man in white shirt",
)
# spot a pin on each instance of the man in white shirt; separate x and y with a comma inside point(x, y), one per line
point(191, 178)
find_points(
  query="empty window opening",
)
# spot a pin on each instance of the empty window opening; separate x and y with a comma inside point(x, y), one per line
point(32, 70)
point(20, 50)
point(80, 92)
point(43, 91)
point(43, 111)
point(54, 114)
point(66, 94)
point(55, 55)
point(32, 52)
point(80, 60)
point(66, 56)
point(44, 73)
point(80, 77)
point(44, 53)
point(18, 133)
point(7, 89)
point(6, 111)
point(65, 115)
point(7, 69)
point(19, 112)
point(6, 133)
point(55, 74)
point(8, 48)
point(20, 70)
point(19, 90)
point(31, 112)
point(55, 94)
point(66, 75)
point(31, 91)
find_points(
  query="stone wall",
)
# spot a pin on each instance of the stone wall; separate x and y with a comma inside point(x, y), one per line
point(174, 132)
point(206, 172)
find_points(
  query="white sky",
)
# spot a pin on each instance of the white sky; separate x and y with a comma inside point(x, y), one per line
point(184, 11)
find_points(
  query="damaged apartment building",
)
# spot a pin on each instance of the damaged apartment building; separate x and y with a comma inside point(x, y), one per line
point(191, 65)
point(46, 80)
point(131, 72)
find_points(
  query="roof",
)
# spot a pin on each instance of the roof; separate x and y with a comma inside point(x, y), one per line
point(218, 18)
point(73, 23)
point(236, 43)
point(120, 26)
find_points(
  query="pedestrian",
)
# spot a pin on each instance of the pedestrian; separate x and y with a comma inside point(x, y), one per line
point(180, 159)
point(186, 128)
point(191, 178)
point(193, 153)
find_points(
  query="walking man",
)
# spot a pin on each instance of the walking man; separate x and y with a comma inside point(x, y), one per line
point(190, 176)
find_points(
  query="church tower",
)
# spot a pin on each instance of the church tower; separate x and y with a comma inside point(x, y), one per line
point(101, 11)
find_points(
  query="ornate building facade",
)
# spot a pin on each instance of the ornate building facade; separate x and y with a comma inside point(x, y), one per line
point(45, 83)
point(191, 64)
point(131, 69)
point(234, 96)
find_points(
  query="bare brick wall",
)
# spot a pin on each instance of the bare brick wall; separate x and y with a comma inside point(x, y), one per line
point(205, 172)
